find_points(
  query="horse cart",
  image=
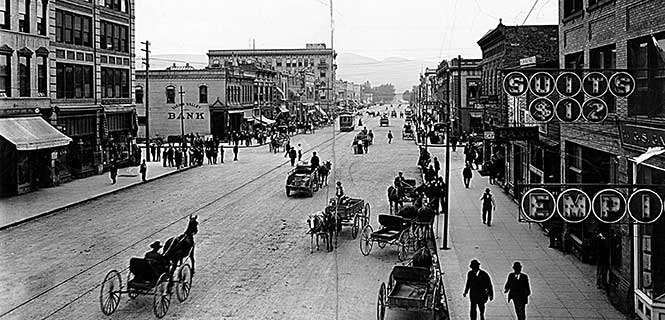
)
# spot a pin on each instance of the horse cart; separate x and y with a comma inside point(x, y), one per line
point(412, 288)
point(408, 194)
point(384, 122)
point(350, 212)
point(144, 279)
point(302, 178)
point(394, 231)
point(407, 133)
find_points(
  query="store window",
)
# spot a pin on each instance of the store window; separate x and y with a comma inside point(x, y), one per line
point(139, 94)
point(651, 242)
point(42, 76)
point(115, 83)
point(5, 75)
point(647, 63)
point(203, 94)
point(170, 94)
point(73, 81)
point(604, 58)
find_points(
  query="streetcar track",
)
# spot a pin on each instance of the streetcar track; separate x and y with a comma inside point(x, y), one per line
point(215, 200)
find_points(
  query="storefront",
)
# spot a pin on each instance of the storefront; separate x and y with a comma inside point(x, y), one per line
point(28, 154)
point(82, 124)
point(119, 126)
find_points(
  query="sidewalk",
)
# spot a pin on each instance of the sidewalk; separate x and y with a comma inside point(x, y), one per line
point(42, 202)
point(562, 286)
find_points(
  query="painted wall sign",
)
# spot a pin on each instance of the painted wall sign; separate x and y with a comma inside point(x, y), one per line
point(622, 84)
point(641, 137)
point(595, 84)
point(608, 206)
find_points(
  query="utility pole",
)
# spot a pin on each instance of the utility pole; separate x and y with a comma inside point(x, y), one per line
point(446, 206)
point(459, 93)
point(332, 48)
point(146, 96)
point(182, 118)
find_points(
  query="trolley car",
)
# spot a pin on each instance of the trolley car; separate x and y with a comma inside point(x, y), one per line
point(347, 121)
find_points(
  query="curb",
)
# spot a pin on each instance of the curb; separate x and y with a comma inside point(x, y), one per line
point(73, 204)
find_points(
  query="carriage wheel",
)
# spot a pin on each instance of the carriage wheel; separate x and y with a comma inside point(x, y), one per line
point(162, 296)
point(355, 227)
point(381, 302)
point(131, 292)
point(403, 243)
point(184, 285)
point(367, 214)
point(109, 294)
point(288, 192)
point(366, 240)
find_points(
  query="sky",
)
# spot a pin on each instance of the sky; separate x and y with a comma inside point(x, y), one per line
point(424, 30)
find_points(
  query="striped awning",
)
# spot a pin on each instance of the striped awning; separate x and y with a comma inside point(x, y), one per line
point(32, 133)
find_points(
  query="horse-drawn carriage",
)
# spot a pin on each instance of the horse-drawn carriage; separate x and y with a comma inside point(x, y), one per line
point(149, 277)
point(350, 212)
point(302, 178)
point(411, 288)
point(407, 194)
point(394, 231)
point(407, 132)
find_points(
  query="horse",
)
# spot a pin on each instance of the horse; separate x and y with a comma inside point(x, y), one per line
point(394, 197)
point(324, 172)
point(320, 226)
point(178, 248)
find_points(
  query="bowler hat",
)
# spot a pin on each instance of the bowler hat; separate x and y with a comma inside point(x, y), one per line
point(475, 263)
point(517, 265)
point(156, 245)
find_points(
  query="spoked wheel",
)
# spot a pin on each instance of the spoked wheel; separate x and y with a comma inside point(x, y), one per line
point(184, 284)
point(366, 240)
point(403, 243)
point(381, 302)
point(436, 299)
point(109, 294)
point(131, 292)
point(366, 215)
point(355, 227)
point(162, 296)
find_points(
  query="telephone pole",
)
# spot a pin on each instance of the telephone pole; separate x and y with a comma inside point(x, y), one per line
point(182, 118)
point(146, 97)
point(446, 207)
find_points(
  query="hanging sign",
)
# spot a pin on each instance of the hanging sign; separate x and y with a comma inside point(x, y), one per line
point(609, 206)
point(542, 109)
point(515, 84)
point(645, 206)
point(568, 110)
point(568, 84)
point(541, 84)
point(595, 84)
point(621, 84)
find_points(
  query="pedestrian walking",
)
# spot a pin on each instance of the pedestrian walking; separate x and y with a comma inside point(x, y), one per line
point(467, 174)
point(235, 152)
point(453, 141)
point(164, 158)
point(153, 149)
point(221, 153)
point(479, 285)
point(299, 149)
point(170, 155)
point(178, 158)
point(390, 136)
point(114, 171)
point(365, 143)
point(437, 166)
point(339, 191)
point(518, 289)
point(293, 154)
point(143, 169)
point(488, 205)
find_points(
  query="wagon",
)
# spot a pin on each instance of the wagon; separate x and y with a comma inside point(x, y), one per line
point(394, 231)
point(412, 288)
point(350, 212)
point(302, 178)
point(143, 279)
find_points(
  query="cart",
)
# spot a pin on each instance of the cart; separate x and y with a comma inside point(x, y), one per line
point(143, 279)
point(407, 133)
point(394, 231)
point(350, 212)
point(302, 178)
point(413, 288)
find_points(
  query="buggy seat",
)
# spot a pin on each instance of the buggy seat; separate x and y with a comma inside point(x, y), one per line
point(145, 276)
point(391, 227)
point(410, 274)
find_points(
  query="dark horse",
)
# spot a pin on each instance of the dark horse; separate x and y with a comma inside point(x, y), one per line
point(395, 197)
point(324, 172)
point(178, 248)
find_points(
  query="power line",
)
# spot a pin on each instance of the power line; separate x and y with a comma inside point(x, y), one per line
point(528, 14)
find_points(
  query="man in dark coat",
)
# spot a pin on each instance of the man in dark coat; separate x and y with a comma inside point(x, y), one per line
point(478, 282)
point(235, 152)
point(518, 289)
point(467, 174)
point(293, 154)
point(156, 259)
point(437, 165)
point(314, 161)
point(143, 169)
point(114, 171)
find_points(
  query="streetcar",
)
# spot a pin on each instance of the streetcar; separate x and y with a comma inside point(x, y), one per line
point(347, 121)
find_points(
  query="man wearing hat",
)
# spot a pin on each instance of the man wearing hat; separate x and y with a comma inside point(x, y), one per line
point(478, 282)
point(518, 289)
point(156, 259)
point(488, 205)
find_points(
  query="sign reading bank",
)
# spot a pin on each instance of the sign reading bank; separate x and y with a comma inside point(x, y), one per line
point(166, 120)
point(608, 206)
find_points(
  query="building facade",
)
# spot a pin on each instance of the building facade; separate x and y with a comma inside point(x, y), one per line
point(465, 81)
point(623, 34)
point(314, 57)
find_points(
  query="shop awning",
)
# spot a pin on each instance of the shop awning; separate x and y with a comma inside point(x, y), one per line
point(32, 133)
point(265, 121)
point(283, 109)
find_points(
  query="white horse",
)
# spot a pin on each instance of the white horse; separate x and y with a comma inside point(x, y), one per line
point(319, 228)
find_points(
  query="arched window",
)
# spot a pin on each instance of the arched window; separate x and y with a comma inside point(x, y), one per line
point(170, 94)
point(139, 94)
point(203, 94)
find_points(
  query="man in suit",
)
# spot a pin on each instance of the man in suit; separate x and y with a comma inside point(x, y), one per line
point(478, 282)
point(518, 289)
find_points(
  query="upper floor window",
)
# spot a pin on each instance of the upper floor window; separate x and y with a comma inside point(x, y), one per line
point(323, 74)
point(24, 15)
point(215, 63)
point(5, 16)
point(117, 5)
point(647, 62)
point(279, 62)
point(73, 28)
point(24, 75)
point(41, 16)
point(139, 94)
point(170, 94)
point(604, 58)
point(203, 94)
point(5, 75)
point(299, 63)
point(574, 61)
point(571, 7)
point(115, 83)
point(114, 37)
point(42, 75)
point(74, 81)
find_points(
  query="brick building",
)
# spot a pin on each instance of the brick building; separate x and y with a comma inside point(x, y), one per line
point(465, 79)
point(314, 57)
point(623, 34)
